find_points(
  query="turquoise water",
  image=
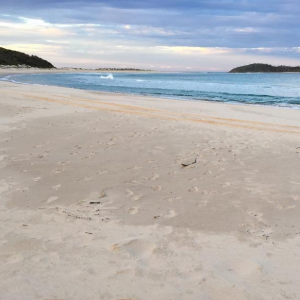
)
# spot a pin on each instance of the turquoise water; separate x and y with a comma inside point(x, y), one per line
point(260, 89)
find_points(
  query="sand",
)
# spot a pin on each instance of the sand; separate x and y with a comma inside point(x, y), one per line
point(95, 202)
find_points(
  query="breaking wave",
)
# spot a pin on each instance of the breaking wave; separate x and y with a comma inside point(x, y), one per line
point(109, 76)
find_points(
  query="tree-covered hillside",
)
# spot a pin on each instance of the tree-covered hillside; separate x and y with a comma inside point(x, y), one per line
point(15, 58)
point(264, 68)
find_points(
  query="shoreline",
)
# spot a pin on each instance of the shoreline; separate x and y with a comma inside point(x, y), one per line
point(218, 109)
point(243, 103)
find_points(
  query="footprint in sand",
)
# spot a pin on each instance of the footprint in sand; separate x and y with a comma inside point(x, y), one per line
point(110, 144)
point(173, 173)
point(193, 179)
point(171, 214)
point(87, 178)
point(102, 172)
point(129, 192)
point(132, 182)
point(136, 198)
point(203, 204)
point(136, 248)
point(22, 189)
point(63, 163)
point(13, 259)
point(285, 207)
point(156, 167)
point(38, 146)
point(154, 177)
point(295, 198)
point(56, 187)
point(150, 161)
point(133, 210)
point(172, 199)
point(135, 168)
point(52, 199)
point(2, 157)
point(194, 189)
point(156, 188)
point(35, 179)
point(59, 171)
point(206, 192)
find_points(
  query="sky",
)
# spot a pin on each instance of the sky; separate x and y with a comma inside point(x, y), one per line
point(164, 35)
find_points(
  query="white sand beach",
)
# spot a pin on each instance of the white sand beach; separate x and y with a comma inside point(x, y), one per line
point(106, 196)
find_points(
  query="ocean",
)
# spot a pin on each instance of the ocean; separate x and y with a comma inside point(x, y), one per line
point(275, 89)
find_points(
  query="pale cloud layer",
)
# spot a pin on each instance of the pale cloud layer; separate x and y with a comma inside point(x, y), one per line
point(163, 35)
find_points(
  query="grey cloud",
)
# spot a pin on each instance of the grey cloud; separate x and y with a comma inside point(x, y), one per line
point(206, 23)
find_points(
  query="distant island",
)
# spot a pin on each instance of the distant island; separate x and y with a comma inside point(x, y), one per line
point(265, 68)
point(15, 58)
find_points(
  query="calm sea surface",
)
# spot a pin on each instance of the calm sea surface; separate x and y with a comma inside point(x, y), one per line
point(261, 89)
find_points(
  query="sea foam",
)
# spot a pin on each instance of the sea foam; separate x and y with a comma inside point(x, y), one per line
point(109, 76)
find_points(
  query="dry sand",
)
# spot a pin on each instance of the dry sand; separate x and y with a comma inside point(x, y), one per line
point(95, 202)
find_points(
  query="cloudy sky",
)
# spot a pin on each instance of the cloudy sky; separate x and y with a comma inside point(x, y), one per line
point(192, 35)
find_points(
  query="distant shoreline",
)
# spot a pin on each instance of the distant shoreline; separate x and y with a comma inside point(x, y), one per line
point(68, 70)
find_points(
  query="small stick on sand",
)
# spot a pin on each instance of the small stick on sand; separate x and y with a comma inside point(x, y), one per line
point(186, 165)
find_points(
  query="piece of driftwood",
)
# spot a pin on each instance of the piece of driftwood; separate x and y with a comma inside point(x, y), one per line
point(186, 165)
